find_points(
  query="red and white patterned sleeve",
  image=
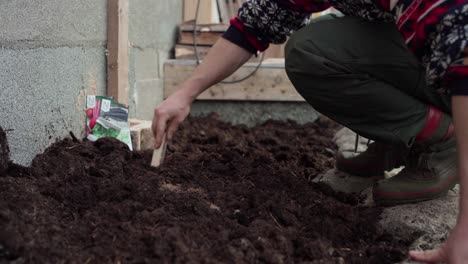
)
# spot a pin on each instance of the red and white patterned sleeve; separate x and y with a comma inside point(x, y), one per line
point(261, 22)
point(448, 65)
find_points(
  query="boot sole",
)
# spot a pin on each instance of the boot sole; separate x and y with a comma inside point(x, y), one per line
point(399, 198)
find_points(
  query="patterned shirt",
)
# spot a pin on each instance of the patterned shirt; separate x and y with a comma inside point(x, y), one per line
point(436, 31)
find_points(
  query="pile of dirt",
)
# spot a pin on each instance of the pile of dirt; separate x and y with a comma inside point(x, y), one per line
point(226, 193)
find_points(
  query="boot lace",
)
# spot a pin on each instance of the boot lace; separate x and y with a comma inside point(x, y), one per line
point(356, 143)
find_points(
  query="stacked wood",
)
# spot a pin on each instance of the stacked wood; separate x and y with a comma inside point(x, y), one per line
point(206, 37)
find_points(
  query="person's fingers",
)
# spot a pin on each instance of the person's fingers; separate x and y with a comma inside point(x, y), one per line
point(154, 124)
point(172, 127)
point(431, 256)
point(159, 127)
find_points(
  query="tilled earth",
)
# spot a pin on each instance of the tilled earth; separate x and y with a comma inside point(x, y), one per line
point(225, 194)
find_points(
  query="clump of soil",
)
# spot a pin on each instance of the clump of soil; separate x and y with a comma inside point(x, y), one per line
point(4, 153)
point(225, 194)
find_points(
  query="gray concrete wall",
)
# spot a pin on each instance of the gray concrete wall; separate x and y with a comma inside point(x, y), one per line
point(52, 54)
point(152, 36)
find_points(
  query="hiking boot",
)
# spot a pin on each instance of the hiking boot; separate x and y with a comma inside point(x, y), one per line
point(430, 173)
point(376, 159)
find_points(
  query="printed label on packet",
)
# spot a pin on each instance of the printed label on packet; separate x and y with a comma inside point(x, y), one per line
point(107, 118)
point(91, 101)
point(106, 105)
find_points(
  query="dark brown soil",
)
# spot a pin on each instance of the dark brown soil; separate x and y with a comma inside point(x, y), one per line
point(226, 194)
point(4, 153)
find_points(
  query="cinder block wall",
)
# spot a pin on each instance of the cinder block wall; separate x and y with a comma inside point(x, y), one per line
point(52, 54)
point(152, 34)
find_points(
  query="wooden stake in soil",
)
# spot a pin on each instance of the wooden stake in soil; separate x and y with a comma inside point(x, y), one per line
point(158, 154)
point(117, 46)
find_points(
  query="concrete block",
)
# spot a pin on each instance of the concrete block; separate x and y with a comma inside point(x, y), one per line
point(42, 95)
point(53, 23)
point(146, 64)
point(148, 94)
point(153, 23)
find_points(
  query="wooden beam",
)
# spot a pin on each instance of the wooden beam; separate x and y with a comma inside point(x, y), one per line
point(187, 52)
point(206, 34)
point(203, 38)
point(141, 134)
point(117, 50)
point(190, 27)
point(270, 82)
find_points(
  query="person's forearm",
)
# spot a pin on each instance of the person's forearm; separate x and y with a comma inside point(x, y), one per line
point(223, 59)
point(460, 114)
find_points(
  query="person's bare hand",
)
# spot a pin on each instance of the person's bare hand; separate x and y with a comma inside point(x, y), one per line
point(453, 251)
point(168, 116)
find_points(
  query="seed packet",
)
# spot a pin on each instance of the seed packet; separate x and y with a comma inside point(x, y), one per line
point(107, 118)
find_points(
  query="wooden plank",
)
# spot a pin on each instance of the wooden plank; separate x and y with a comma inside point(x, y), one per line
point(141, 134)
point(187, 52)
point(221, 28)
point(117, 48)
point(270, 82)
point(203, 38)
point(206, 34)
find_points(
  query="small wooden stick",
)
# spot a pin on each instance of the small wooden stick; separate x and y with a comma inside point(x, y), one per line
point(158, 154)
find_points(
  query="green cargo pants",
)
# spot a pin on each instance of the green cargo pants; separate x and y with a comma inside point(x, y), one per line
point(362, 75)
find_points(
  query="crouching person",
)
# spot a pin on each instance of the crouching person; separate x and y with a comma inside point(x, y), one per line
point(393, 71)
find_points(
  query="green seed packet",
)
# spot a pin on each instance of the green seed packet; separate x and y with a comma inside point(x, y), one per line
point(107, 118)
